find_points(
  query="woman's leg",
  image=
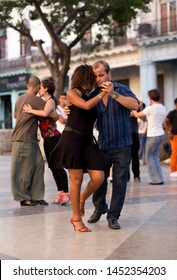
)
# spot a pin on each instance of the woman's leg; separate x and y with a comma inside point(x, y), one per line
point(96, 180)
point(76, 178)
point(59, 174)
point(61, 179)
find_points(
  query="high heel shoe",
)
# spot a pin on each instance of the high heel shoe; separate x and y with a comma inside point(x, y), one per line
point(59, 198)
point(65, 199)
point(82, 210)
point(82, 228)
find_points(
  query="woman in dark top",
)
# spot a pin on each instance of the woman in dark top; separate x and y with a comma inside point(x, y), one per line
point(77, 149)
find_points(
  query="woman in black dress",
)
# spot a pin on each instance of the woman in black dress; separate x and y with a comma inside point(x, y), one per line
point(77, 148)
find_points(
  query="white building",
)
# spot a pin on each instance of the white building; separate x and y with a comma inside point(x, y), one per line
point(145, 58)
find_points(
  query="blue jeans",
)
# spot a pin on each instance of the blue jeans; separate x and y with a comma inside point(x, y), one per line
point(120, 160)
point(153, 158)
point(142, 138)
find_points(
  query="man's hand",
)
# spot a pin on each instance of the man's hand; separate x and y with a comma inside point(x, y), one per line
point(108, 87)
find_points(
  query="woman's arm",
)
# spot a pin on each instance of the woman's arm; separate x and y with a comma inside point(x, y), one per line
point(74, 98)
point(62, 120)
point(137, 114)
point(49, 107)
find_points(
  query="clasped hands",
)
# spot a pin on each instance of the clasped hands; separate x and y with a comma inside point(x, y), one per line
point(107, 88)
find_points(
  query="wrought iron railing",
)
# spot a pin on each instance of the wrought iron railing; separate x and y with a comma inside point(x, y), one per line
point(158, 27)
point(147, 29)
point(22, 62)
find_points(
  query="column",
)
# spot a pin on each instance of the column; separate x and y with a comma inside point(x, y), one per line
point(148, 75)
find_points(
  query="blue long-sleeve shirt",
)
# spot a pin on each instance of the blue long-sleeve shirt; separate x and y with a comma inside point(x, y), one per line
point(113, 120)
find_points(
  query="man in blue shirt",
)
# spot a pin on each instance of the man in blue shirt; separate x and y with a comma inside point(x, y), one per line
point(115, 140)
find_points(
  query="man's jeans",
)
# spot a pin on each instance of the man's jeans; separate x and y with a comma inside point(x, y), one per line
point(120, 160)
point(153, 158)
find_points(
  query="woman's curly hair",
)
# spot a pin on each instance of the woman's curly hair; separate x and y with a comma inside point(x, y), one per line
point(83, 76)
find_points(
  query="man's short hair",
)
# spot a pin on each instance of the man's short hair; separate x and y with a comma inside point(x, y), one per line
point(63, 94)
point(104, 63)
point(34, 81)
point(154, 94)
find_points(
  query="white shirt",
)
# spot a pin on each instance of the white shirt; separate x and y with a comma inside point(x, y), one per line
point(60, 111)
point(142, 126)
point(155, 115)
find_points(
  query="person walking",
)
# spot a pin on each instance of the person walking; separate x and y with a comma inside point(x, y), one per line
point(77, 150)
point(51, 136)
point(27, 165)
point(115, 140)
point(170, 124)
point(155, 115)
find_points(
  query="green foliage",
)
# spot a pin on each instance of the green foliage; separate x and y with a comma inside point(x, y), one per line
point(71, 16)
point(67, 21)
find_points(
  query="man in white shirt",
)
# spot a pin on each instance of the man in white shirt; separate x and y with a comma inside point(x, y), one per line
point(155, 115)
point(60, 111)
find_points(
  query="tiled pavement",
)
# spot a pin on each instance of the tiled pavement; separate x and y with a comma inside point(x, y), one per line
point(148, 224)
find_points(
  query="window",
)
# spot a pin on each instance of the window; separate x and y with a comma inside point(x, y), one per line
point(168, 16)
point(25, 44)
point(173, 17)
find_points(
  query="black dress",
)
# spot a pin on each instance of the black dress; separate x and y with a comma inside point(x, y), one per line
point(77, 148)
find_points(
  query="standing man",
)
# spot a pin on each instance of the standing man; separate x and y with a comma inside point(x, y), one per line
point(27, 166)
point(155, 115)
point(115, 140)
point(60, 110)
point(170, 124)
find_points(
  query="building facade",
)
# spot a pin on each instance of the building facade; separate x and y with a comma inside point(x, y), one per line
point(144, 58)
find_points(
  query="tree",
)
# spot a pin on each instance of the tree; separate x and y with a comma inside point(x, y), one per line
point(66, 22)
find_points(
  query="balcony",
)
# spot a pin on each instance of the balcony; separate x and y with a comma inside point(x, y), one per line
point(159, 27)
point(8, 65)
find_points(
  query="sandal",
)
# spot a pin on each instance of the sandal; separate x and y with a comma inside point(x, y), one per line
point(83, 228)
point(59, 198)
point(65, 199)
